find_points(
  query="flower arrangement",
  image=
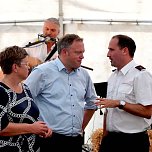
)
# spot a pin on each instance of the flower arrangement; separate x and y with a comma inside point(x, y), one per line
point(96, 138)
point(150, 138)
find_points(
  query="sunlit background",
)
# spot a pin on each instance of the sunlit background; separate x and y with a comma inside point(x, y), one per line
point(94, 20)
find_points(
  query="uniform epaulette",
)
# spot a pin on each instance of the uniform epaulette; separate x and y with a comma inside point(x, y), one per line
point(114, 70)
point(140, 67)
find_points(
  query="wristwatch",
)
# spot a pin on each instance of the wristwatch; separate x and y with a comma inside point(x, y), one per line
point(121, 104)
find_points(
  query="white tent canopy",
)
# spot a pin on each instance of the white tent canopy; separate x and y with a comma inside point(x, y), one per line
point(94, 20)
point(76, 9)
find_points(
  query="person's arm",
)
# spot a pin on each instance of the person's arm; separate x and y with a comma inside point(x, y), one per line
point(35, 81)
point(104, 123)
point(135, 109)
point(87, 116)
point(39, 128)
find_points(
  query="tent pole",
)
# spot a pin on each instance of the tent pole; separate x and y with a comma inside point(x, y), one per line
point(61, 17)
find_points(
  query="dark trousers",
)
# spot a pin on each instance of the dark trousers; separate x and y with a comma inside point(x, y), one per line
point(59, 143)
point(123, 142)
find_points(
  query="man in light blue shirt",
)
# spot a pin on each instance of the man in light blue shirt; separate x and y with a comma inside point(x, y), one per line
point(64, 93)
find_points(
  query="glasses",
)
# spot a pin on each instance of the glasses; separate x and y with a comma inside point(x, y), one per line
point(26, 64)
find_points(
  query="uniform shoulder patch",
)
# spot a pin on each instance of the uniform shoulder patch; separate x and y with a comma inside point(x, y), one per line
point(140, 67)
point(113, 70)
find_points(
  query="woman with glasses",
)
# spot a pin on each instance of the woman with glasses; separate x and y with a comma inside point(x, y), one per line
point(20, 127)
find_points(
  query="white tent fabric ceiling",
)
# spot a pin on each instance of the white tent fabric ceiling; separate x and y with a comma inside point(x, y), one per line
point(80, 9)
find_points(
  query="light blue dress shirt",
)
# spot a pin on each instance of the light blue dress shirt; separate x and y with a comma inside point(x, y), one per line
point(62, 96)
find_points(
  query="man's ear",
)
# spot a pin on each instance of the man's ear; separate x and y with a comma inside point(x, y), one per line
point(14, 68)
point(59, 32)
point(125, 51)
point(64, 50)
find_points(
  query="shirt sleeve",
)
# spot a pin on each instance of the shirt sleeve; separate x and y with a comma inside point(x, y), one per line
point(35, 82)
point(90, 95)
point(4, 99)
point(143, 88)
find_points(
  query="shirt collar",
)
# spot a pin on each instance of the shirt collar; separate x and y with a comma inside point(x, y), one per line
point(128, 66)
point(61, 66)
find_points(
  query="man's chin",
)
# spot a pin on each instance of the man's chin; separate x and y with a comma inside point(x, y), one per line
point(113, 65)
point(77, 67)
